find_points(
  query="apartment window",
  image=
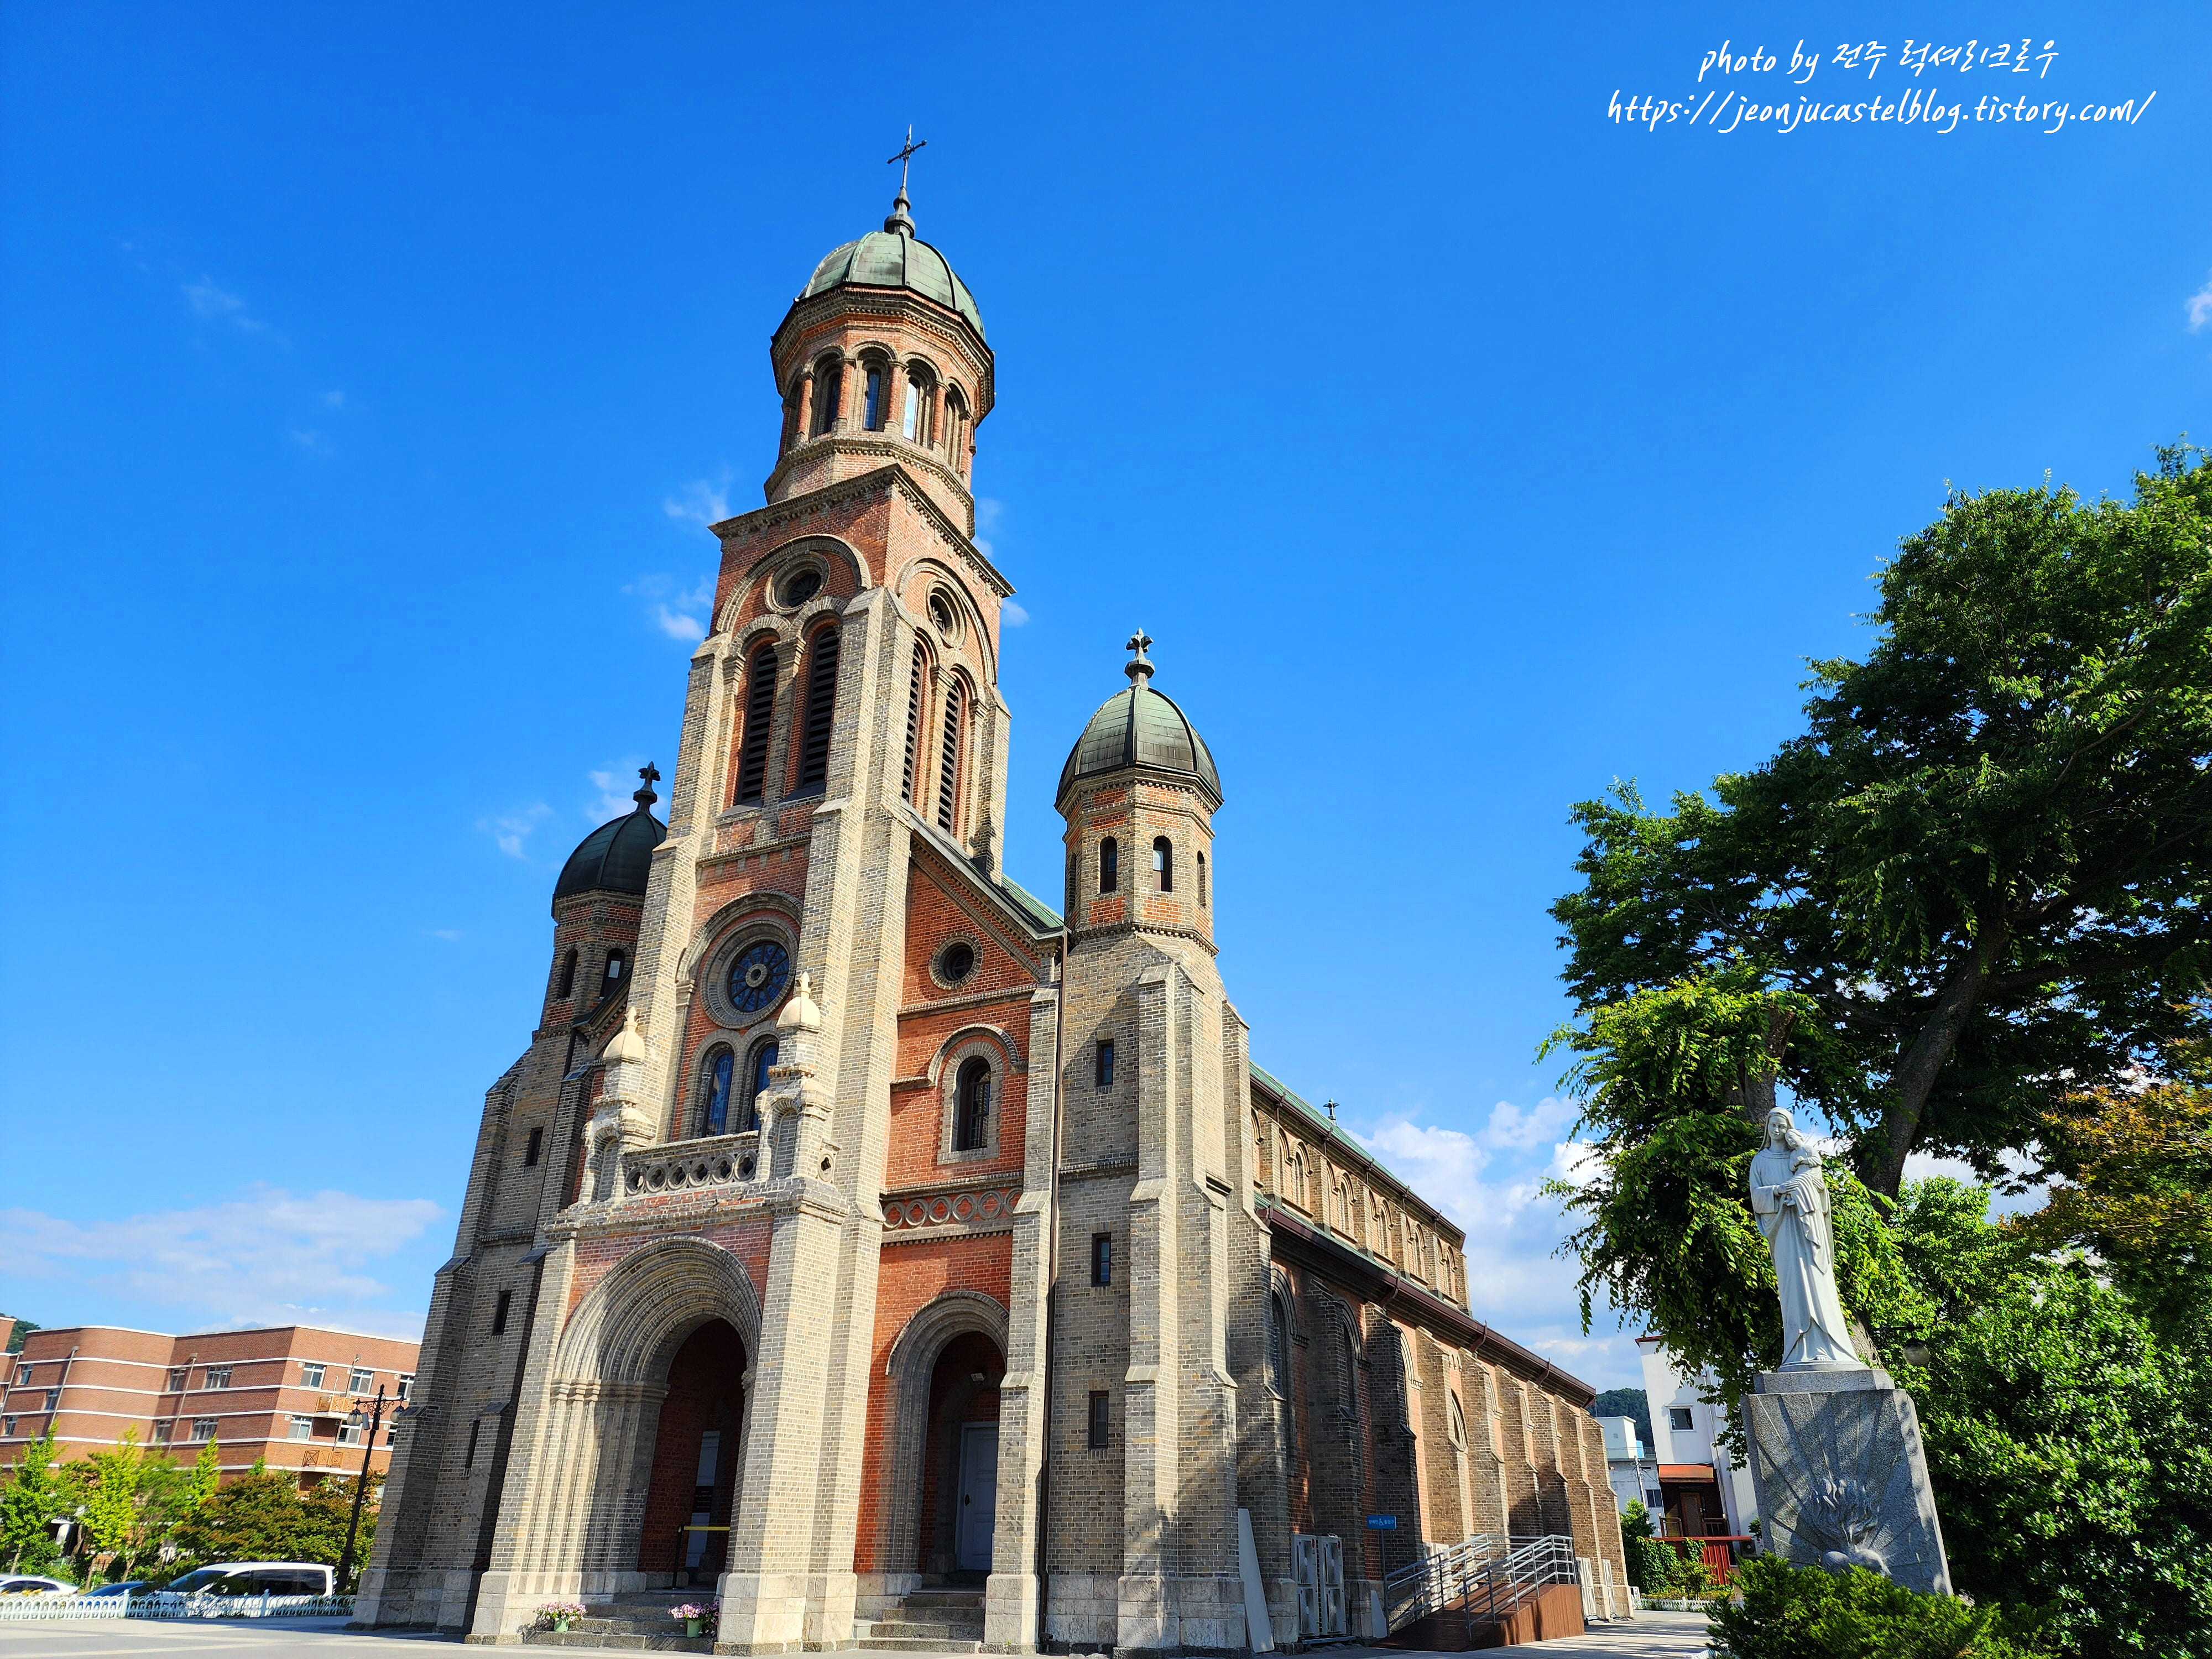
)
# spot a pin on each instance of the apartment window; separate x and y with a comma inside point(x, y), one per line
point(1104, 1070)
point(162, 1433)
point(1678, 1418)
point(1101, 1423)
point(532, 1147)
point(311, 1374)
point(53, 1400)
point(406, 1386)
point(204, 1428)
point(217, 1376)
point(498, 1312)
point(469, 1457)
point(1102, 1258)
point(303, 1428)
point(351, 1434)
point(362, 1381)
point(22, 1376)
point(8, 1427)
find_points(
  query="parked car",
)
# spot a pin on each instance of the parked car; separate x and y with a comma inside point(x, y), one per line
point(127, 1587)
point(251, 1578)
point(24, 1583)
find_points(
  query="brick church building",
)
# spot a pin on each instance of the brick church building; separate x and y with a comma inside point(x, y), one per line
point(860, 1239)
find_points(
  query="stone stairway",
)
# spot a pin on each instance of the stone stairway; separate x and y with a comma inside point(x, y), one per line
point(635, 1619)
point(935, 1618)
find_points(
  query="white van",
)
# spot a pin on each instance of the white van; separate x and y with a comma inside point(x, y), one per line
point(250, 1578)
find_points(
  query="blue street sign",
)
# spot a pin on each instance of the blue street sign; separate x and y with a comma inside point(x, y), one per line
point(1383, 1523)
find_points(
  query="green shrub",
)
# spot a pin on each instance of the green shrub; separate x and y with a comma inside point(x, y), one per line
point(1807, 1613)
point(1652, 1567)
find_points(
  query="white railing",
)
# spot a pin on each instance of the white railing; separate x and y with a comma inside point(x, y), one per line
point(20, 1608)
point(1485, 1576)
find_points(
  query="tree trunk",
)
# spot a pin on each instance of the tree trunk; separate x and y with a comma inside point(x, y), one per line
point(1914, 1079)
point(1755, 1097)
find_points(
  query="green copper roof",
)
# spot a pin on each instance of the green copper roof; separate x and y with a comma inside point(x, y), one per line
point(1141, 728)
point(886, 258)
point(618, 856)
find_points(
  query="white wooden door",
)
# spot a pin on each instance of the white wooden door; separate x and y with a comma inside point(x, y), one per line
point(979, 1494)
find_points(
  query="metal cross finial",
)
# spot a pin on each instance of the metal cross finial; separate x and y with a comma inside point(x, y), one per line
point(1139, 667)
point(905, 157)
point(650, 775)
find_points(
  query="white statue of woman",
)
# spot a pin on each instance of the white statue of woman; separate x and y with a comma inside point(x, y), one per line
point(1790, 1199)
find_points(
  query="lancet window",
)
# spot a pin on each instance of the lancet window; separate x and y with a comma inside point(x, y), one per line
point(759, 705)
point(821, 709)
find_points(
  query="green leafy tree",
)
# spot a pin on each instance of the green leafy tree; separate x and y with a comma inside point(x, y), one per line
point(29, 1504)
point(1805, 1612)
point(2070, 1449)
point(109, 1482)
point(204, 1481)
point(256, 1517)
point(1980, 879)
point(327, 1509)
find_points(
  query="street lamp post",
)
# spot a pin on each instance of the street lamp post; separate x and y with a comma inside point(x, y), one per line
point(361, 1487)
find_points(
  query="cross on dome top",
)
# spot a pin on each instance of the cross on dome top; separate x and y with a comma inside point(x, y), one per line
point(902, 216)
point(644, 796)
point(1140, 668)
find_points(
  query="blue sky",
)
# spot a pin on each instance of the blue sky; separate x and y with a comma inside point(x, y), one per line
point(371, 380)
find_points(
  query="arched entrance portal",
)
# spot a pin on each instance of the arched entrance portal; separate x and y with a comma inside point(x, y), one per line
point(684, 1537)
point(960, 1477)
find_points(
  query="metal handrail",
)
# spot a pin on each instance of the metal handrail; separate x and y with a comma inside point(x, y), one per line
point(1484, 1576)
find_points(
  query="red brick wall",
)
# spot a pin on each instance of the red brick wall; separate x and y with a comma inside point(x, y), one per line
point(703, 1393)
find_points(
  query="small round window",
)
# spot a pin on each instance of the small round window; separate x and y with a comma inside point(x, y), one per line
point(758, 975)
point(956, 961)
point(942, 613)
point(800, 585)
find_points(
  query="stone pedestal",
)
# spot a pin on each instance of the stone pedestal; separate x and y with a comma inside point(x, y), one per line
point(1841, 1478)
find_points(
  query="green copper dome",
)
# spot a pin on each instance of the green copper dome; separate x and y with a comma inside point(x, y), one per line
point(894, 256)
point(1141, 728)
point(618, 856)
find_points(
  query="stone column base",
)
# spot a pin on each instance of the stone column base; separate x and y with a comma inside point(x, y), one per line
point(1835, 1460)
point(1010, 1613)
point(785, 1611)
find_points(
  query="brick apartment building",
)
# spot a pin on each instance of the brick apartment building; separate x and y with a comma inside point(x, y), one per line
point(280, 1395)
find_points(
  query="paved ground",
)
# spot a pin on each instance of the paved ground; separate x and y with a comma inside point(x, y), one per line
point(162, 1638)
point(1648, 1636)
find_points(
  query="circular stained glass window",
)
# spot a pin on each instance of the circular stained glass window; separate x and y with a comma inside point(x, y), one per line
point(759, 975)
point(956, 963)
point(801, 586)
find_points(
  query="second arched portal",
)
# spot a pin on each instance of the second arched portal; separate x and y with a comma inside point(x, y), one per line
point(686, 1528)
point(939, 1495)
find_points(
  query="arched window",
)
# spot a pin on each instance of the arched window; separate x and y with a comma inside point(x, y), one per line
point(568, 975)
point(759, 705)
point(914, 421)
point(1201, 881)
point(913, 723)
point(617, 965)
point(1164, 863)
point(720, 1073)
point(1278, 1346)
point(756, 1081)
point(876, 398)
point(828, 391)
point(1109, 865)
point(948, 760)
point(1343, 1207)
point(955, 427)
point(1074, 868)
point(792, 405)
point(821, 710)
point(971, 1120)
point(1458, 1418)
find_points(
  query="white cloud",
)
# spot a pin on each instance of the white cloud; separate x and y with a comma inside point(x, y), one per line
point(1012, 614)
point(451, 935)
point(264, 1257)
point(679, 612)
point(511, 830)
point(2200, 307)
point(220, 305)
point(987, 513)
point(311, 440)
point(701, 501)
point(1524, 1130)
point(334, 399)
point(617, 787)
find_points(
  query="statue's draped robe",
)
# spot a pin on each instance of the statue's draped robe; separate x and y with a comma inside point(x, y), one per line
point(1814, 1331)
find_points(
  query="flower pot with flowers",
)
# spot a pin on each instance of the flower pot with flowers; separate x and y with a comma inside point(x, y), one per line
point(558, 1615)
point(696, 1616)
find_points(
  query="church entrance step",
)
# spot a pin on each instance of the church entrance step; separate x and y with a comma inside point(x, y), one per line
point(632, 1642)
point(916, 1644)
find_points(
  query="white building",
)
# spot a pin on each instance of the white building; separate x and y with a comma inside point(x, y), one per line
point(1704, 1490)
point(1628, 1464)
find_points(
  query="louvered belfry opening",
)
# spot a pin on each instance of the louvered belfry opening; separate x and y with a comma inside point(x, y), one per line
point(760, 705)
point(821, 710)
point(948, 772)
point(913, 723)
